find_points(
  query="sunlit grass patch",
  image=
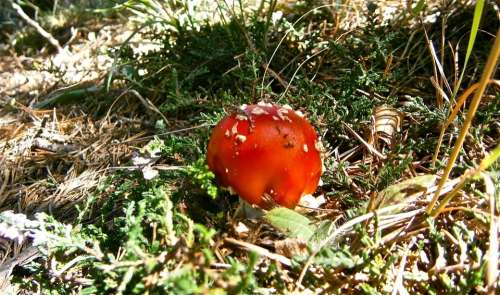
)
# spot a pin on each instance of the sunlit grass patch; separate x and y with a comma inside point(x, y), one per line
point(151, 218)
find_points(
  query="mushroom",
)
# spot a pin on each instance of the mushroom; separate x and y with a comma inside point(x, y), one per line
point(267, 154)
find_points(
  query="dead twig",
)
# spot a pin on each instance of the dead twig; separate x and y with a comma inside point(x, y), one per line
point(277, 76)
point(146, 102)
point(398, 285)
point(6, 268)
point(53, 41)
point(370, 148)
point(261, 251)
point(145, 138)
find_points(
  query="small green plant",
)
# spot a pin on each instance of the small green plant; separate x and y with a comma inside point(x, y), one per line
point(203, 177)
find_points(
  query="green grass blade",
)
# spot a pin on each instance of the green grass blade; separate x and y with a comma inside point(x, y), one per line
point(478, 11)
point(419, 7)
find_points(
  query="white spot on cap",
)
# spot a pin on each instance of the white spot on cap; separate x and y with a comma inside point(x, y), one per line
point(241, 138)
point(258, 111)
point(300, 114)
point(227, 170)
point(241, 117)
point(243, 107)
point(265, 104)
point(228, 133)
point(234, 129)
point(281, 113)
point(306, 148)
point(275, 118)
point(287, 107)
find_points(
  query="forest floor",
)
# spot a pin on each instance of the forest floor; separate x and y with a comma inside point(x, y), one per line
point(103, 135)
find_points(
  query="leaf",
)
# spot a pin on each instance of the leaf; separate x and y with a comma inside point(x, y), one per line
point(397, 192)
point(291, 223)
point(322, 232)
point(336, 257)
point(69, 95)
point(419, 7)
point(89, 290)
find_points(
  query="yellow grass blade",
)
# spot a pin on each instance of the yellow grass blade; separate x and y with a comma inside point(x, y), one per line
point(488, 70)
point(485, 163)
point(453, 115)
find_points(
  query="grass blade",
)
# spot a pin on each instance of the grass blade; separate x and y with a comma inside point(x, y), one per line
point(478, 11)
point(485, 163)
point(492, 267)
point(488, 71)
point(454, 113)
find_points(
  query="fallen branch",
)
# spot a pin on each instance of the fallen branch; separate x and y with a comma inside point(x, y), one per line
point(37, 27)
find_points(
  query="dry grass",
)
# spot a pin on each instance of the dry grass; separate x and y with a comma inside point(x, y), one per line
point(52, 160)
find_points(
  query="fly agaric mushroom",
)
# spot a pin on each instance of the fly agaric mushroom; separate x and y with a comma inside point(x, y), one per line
point(267, 154)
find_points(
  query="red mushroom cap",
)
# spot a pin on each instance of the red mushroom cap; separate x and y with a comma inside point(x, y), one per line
point(266, 154)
